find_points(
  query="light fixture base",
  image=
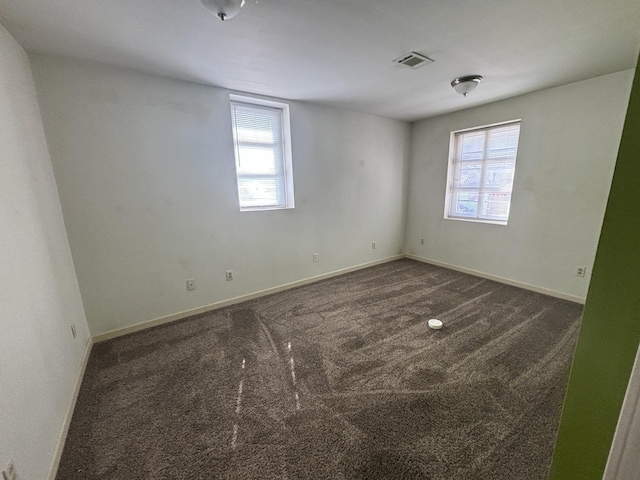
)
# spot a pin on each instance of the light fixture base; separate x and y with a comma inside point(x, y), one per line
point(465, 85)
point(224, 9)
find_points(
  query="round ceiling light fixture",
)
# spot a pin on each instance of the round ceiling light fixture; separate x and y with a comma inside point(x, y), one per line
point(224, 9)
point(465, 85)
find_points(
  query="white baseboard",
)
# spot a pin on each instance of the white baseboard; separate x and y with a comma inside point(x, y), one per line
point(232, 301)
point(119, 332)
point(57, 454)
point(508, 281)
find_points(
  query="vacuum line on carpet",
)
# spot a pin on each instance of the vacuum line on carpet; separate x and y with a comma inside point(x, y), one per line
point(234, 435)
point(292, 367)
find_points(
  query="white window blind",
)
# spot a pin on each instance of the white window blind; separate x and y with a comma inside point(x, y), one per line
point(481, 173)
point(262, 166)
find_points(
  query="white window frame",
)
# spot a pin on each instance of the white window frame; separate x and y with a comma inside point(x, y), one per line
point(286, 149)
point(453, 146)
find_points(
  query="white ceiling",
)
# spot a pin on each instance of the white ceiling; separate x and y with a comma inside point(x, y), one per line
point(340, 52)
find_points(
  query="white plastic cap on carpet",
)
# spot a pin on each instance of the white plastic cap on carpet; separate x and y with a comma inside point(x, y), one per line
point(435, 324)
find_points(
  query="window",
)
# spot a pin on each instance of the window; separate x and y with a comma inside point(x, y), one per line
point(261, 137)
point(481, 168)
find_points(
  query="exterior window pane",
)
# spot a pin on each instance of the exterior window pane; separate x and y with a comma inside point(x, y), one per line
point(466, 204)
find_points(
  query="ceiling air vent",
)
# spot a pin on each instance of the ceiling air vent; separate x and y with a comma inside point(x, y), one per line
point(413, 60)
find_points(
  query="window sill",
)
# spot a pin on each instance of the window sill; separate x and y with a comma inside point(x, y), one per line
point(262, 209)
point(476, 220)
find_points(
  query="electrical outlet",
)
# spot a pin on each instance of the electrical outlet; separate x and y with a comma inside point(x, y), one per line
point(315, 257)
point(73, 330)
point(9, 473)
point(191, 284)
point(422, 241)
point(229, 275)
point(373, 245)
point(581, 271)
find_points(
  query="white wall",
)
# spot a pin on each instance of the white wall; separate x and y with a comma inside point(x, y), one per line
point(39, 359)
point(568, 145)
point(146, 175)
point(624, 462)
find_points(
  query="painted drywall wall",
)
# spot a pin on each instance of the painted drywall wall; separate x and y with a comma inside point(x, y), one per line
point(40, 361)
point(146, 175)
point(610, 330)
point(568, 143)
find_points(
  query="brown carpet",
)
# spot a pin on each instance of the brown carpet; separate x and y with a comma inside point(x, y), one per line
point(341, 379)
